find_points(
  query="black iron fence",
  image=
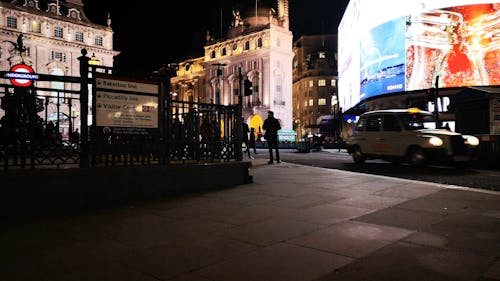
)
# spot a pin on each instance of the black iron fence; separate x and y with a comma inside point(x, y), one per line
point(194, 133)
point(32, 136)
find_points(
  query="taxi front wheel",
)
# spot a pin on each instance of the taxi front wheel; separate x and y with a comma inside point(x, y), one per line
point(416, 157)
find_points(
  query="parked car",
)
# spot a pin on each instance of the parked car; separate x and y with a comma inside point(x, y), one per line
point(408, 135)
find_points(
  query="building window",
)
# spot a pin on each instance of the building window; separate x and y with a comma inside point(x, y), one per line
point(58, 56)
point(322, 101)
point(58, 32)
point(56, 85)
point(311, 84)
point(278, 88)
point(12, 22)
point(36, 27)
point(259, 42)
point(279, 84)
point(98, 41)
point(223, 51)
point(247, 45)
point(333, 83)
point(79, 36)
point(212, 55)
point(321, 55)
point(305, 103)
point(321, 82)
point(311, 102)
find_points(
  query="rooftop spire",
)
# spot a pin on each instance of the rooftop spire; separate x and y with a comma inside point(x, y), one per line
point(108, 20)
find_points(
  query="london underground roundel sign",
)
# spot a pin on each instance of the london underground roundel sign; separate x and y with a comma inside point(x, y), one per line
point(21, 75)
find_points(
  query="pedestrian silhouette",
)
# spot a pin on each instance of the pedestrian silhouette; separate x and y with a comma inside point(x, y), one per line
point(271, 127)
point(244, 137)
point(251, 141)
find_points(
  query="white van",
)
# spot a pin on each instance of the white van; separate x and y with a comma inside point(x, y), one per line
point(408, 135)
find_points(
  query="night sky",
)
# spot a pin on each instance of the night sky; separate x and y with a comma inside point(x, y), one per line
point(149, 35)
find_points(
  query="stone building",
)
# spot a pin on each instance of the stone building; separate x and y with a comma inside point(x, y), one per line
point(257, 47)
point(315, 95)
point(54, 32)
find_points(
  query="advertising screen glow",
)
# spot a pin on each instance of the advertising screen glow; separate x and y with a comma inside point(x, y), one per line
point(391, 46)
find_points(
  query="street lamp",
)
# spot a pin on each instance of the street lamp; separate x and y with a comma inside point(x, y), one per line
point(74, 114)
point(94, 61)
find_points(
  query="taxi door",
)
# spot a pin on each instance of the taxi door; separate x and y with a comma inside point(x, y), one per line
point(390, 140)
point(373, 135)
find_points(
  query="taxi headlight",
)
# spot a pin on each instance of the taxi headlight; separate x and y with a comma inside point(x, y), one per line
point(435, 141)
point(472, 140)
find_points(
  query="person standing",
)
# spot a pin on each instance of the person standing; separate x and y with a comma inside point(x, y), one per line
point(271, 127)
point(244, 137)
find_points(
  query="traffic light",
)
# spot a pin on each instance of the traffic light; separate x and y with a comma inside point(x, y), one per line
point(248, 87)
point(431, 94)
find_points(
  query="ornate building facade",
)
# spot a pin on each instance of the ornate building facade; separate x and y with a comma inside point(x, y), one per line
point(315, 95)
point(54, 32)
point(258, 47)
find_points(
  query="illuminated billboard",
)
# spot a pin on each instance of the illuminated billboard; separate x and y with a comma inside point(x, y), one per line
point(391, 46)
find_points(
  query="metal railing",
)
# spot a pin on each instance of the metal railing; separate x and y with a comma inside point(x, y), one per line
point(188, 132)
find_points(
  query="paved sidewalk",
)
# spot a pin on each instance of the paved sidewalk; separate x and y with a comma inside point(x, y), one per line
point(293, 223)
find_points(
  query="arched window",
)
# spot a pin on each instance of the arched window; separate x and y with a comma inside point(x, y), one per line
point(255, 92)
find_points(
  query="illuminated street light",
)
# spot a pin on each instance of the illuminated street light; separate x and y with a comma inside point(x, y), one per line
point(94, 61)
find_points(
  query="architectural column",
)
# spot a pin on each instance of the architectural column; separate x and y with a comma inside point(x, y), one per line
point(266, 90)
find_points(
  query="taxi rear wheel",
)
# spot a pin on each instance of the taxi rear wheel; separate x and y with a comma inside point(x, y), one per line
point(358, 156)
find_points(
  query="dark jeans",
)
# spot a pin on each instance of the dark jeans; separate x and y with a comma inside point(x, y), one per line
point(247, 149)
point(273, 145)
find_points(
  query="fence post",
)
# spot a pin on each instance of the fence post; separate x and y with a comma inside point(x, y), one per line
point(84, 109)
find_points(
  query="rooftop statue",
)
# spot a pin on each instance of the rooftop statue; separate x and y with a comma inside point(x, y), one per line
point(237, 21)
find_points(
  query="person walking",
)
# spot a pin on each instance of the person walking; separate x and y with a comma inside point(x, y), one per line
point(271, 127)
point(251, 141)
point(244, 137)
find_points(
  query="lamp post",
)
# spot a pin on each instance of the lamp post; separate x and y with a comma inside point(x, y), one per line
point(74, 114)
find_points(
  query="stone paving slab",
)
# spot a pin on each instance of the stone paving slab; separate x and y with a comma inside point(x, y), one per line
point(293, 223)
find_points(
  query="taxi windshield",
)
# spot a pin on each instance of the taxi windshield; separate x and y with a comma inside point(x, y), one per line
point(417, 121)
